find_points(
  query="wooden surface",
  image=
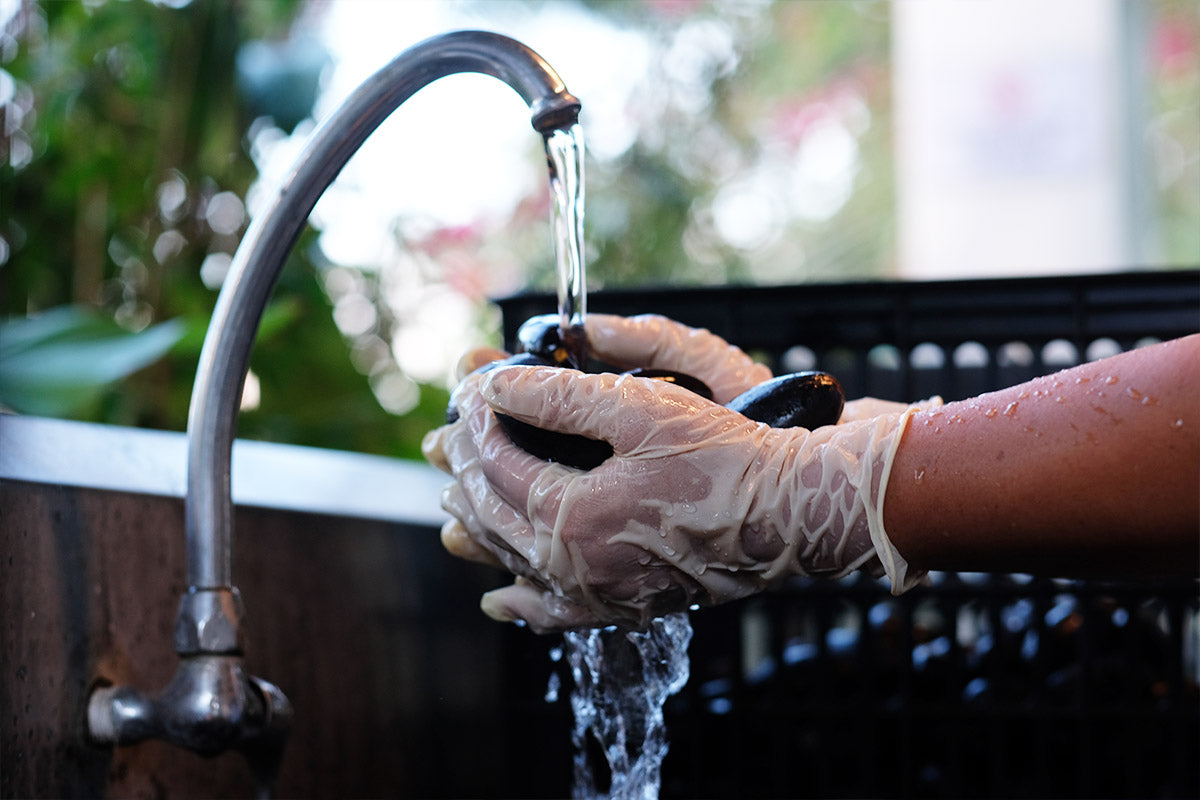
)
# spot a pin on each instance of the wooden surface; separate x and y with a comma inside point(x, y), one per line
point(401, 687)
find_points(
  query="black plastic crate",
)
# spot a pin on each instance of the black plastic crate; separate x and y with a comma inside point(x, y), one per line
point(869, 334)
point(977, 685)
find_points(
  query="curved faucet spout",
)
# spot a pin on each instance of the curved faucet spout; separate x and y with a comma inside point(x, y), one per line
point(225, 355)
point(207, 633)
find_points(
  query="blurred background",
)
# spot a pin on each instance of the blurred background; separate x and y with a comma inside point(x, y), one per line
point(730, 142)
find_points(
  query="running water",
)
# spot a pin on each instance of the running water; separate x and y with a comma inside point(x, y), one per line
point(564, 156)
point(622, 678)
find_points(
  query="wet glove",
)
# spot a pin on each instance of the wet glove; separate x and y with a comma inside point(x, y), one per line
point(697, 505)
point(648, 341)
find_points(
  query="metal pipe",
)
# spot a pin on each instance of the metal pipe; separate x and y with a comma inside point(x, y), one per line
point(255, 268)
point(212, 704)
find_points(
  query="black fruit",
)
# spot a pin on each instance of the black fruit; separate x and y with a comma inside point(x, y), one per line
point(799, 400)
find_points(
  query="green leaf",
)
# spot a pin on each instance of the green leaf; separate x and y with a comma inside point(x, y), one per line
point(57, 362)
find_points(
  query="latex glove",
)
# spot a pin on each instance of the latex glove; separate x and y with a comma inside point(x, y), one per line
point(647, 340)
point(657, 342)
point(697, 505)
point(869, 407)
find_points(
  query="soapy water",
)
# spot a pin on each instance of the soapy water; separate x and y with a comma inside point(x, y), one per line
point(622, 680)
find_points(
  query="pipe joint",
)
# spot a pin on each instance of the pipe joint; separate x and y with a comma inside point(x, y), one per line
point(209, 622)
point(210, 705)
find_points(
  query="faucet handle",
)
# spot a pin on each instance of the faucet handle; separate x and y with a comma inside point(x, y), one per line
point(210, 705)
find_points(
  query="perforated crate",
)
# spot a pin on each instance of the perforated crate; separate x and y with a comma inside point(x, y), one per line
point(977, 685)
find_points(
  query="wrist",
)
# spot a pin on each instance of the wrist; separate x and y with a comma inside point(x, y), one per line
point(828, 508)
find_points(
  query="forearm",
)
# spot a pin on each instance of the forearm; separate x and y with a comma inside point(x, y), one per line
point(1091, 471)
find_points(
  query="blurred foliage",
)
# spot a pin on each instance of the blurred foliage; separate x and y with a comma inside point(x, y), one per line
point(1173, 135)
point(126, 143)
point(125, 156)
point(61, 362)
point(651, 211)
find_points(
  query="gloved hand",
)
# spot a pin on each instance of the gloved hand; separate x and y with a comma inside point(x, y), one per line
point(697, 505)
point(649, 341)
point(656, 342)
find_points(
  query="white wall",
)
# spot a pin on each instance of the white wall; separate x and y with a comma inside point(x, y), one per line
point(1010, 149)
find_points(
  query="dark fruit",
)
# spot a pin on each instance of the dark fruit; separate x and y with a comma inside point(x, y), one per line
point(799, 400)
point(678, 378)
point(544, 337)
point(565, 448)
point(802, 399)
point(520, 359)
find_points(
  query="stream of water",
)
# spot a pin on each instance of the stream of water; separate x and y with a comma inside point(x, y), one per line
point(564, 157)
point(622, 678)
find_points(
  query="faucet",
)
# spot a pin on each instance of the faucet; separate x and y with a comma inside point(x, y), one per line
point(212, 704)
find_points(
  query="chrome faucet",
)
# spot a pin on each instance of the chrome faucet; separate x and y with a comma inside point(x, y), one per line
point(212, 704)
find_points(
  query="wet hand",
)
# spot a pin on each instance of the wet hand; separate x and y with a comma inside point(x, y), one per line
point(697, 505)
point(649, 341)
point(657, 342)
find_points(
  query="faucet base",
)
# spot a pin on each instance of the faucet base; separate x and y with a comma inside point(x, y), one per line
point(210, 705)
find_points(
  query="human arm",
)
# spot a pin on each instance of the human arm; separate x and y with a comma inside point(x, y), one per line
point(1093, 471)
point(526, 514)
point(695, 506)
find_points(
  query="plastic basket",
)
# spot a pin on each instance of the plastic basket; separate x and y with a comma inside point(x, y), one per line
point(977, 685)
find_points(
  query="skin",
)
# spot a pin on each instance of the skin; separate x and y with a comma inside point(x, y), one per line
point(1091, 472)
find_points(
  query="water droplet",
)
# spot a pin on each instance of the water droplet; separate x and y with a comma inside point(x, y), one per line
point(694, 607)
point(556, 654)
point(1178, 423)
point(1011, 409)
point(1111, 379)
point(918, 474)
point(991, 412)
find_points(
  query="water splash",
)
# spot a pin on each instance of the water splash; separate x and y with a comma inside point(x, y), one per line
point(622, 679)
